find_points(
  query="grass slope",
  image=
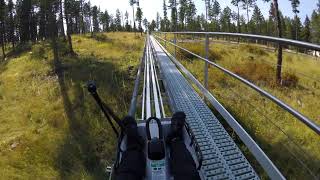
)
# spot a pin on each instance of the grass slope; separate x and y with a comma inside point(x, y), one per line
point(285, 139)
point(50, 126)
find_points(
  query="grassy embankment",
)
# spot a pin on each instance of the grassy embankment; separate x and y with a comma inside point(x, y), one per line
point(266, 122)
point(50, 126)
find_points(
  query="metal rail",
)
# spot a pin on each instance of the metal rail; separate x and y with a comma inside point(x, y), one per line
point(133, 103)
point(154, 86)
point(300, 44)
point(148, 93)
point(254, 148)
point(157, 83)
point(283, 105)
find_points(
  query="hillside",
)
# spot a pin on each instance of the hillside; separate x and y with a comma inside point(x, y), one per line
point(50, 126)
point(287, 141)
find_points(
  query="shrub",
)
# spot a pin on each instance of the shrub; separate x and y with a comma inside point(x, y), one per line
point(289, 80)
point(38, 51)
point(101, 37)
point(199, 50)
point(255, 72)
point(253, 50)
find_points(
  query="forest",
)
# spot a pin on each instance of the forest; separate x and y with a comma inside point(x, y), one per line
point(32, 21)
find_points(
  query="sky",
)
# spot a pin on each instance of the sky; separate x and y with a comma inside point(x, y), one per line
point(151, 7)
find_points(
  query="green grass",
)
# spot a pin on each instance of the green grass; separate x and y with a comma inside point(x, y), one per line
point(50, 126)
point(258, 115)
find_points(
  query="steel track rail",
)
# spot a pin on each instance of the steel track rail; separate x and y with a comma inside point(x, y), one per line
point(308, 122)
point(254, 148)
point(256, 37)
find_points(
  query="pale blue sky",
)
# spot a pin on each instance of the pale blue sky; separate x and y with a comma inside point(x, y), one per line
point(151, 7)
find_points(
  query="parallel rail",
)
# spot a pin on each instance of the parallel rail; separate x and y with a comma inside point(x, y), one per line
point(254, 148)
point(308, 122)
point(283, 41)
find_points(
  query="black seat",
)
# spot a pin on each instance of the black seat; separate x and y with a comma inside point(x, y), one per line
point(182, 164)
point(133, 161)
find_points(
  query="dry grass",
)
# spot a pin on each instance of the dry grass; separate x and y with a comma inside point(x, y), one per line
point(276, 131)
point(50, 126)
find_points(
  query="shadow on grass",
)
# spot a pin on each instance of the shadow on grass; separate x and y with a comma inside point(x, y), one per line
point(90, 145)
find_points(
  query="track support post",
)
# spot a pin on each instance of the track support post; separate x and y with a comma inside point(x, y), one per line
point(206, 63)
point(165, 38)
point(175, 43)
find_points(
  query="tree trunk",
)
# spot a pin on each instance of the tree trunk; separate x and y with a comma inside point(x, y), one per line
point(248, 12)
point(2, 42)
point(279, 61)
point(134, 23)
point(61, 19)
point(239, 28)
point(3, 51)
point(69, 35)
point(53, 35)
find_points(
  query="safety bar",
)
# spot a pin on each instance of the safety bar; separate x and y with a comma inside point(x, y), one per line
point(257, 37)
point(277, 101)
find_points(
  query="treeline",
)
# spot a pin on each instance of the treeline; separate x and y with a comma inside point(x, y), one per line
point(29, 20)
point(184, 17)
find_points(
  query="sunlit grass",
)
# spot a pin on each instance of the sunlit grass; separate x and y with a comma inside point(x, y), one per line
point(276, 131)
point(50, 126)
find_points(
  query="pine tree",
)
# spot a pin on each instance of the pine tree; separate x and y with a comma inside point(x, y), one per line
point(257, 21)
point(61, 24)
point(174, 19)
point(95, 20)
point(295, 4)
point(146, 24)
point(139, 15)
point(118, 20)
point(190, 15)
point(237, 4)
point(315, 27)
point(182, 12)
point(208, 6)
point(225, 20)
point(25, 21)
point(166, 22)
point(216, 10)
point(68, 13)
point(127, 25)
point(87, 16)
point(152, 26)
point(306, 32)
point(132, 3)
point(43, 20)
point(296, 31)
point(2, 28)
point(247, 5)
point(279, 28)
point(11, 23)
point(158, 21)
point(52, 10)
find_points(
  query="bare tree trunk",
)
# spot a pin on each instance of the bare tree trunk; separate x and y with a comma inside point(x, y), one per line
point(279, 61)
point(2, 41)
point(61, 19)
point(53, 35)
point(3, 50)
point(134, 22)
point(69, 35)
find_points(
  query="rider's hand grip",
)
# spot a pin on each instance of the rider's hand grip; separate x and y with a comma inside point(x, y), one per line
point(92, 87)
